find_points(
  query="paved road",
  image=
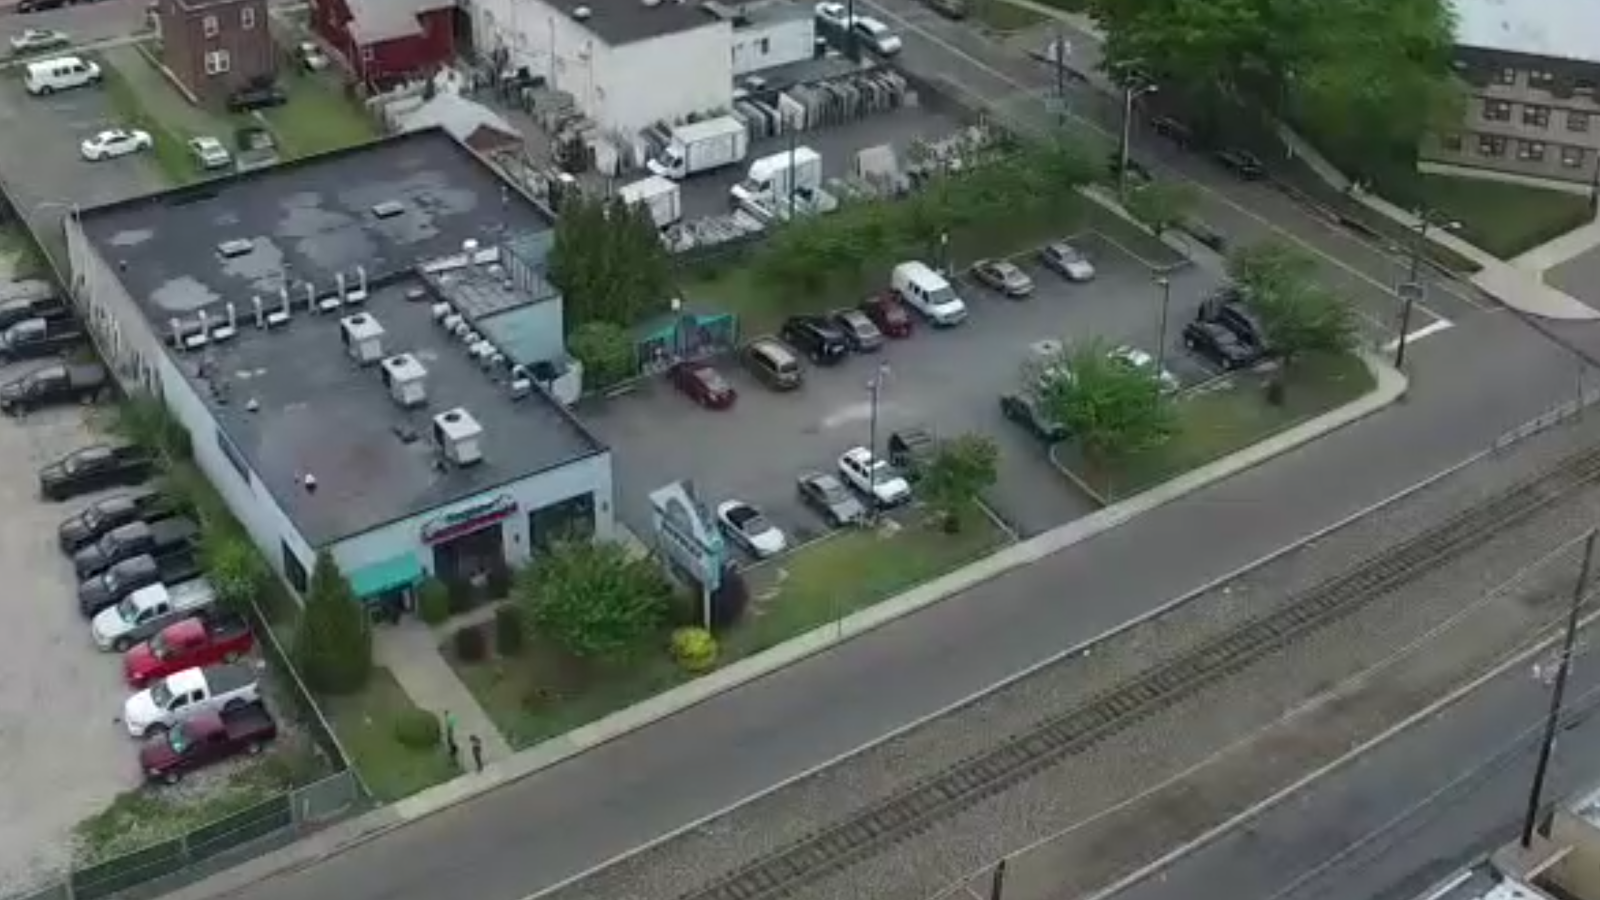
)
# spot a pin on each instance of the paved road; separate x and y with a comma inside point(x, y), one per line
point(1470, 383)
point(1406, 815)
point(85, 23)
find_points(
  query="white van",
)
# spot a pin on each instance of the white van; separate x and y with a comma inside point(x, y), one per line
point(926, 291)
point(59, 74)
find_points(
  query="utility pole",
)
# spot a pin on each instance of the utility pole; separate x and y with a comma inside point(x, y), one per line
point(1552, 720)
point(850, 49)
point(1130, 94)
point(997, 884)
point(874, 388)
point(792, 180)
point(1161, 334)
point(1058, 53)
point(1410, 290)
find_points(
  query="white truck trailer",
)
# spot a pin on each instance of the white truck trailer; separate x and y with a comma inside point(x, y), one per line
point(700, 147)
point(659, 195)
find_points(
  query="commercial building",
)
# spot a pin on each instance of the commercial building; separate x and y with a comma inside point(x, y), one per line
point(1532, 69)
point(214, 48)
point(632, 63)
point(365, 353)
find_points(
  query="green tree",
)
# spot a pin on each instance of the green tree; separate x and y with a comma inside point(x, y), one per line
point(1269, 266)
point(1161, 205)
point(956, 475)
point(608, 261)
point(333, 643)
point(1113, 410)
point(233, 566)
point(1300, 316)
point(606, 351)
point(593, 598)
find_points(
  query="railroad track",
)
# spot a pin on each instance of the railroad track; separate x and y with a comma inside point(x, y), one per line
point(925, 803)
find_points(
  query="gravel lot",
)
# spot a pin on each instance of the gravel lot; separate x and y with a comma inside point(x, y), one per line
point(62, 755)
point(1171, 742)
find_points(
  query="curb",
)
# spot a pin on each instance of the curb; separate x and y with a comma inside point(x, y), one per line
point(1391, 386)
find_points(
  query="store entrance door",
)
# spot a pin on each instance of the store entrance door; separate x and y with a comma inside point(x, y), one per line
point(473, 565)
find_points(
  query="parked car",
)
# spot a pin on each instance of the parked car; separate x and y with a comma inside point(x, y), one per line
point(122, 580)
point(909, 450)
point(826, 494)
point(31, 6)
point(1139, 360)
point(31, 303)
point(773, 364)
point(311, 57)
point(1025, 410)
point(206, 738)
point(209, 153)
point(889, 314)
point(1226, 307)
point(1242, 163)
point(33, 338)
point(876, 36)
point(1173, 130)
point(703, 384)
point(1219, 345)
point(750, 529)
point(1067, 261)
point(858, 329)
point(874, 478)
point(188, 644)
point(832, 14)
point(950, 9)
point(917, 285)
point(189, 693)
point(148, 610)
point(35, 40)
point(157, 539)
point(96, 468)
point(115, 142)
point(815, 337)
point(53, 385)
point(1003, 276)
point(102, 516)
point(260, 95)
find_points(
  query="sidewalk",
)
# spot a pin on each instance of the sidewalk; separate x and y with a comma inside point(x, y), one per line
point(410, 651)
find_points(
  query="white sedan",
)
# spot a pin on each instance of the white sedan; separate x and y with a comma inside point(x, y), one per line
point(876, 36)
point(209, 153)
point(36, 39)
point(116, 142)
point(750, 529)
point(833, 14)
point(1137, 359)
point(873, 477)
point(1066, 261)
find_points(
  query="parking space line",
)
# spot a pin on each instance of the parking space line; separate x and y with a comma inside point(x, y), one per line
point(1420, 333)
point(1201, 186)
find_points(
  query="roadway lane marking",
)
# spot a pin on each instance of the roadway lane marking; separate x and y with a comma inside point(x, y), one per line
point(1419, 334)
point(1025, 91)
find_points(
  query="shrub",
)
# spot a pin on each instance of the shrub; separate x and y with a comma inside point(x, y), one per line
point(417, 730)
point(508, 631)
point(471, 644)
point(694, 649)
point(433, 601)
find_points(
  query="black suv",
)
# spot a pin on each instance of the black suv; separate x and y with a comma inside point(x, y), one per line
point(1242, 163)
point(910, 449)
point(1218, 344)
point(95, 468)
point(100, 517)
point(816, 337)
point(256, 95)
point(1024, 409)
point(1226, 308)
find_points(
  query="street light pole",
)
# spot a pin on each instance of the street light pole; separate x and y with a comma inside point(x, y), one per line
point(874, 387)
point(1125, 148)
point(1161, 334)
point(1410, 289)
point(1557, 694)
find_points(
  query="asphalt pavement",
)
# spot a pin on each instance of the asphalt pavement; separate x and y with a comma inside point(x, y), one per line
point(1406, 815)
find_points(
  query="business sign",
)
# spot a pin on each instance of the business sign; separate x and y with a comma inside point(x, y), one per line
point(686, 532)
point(468, 519)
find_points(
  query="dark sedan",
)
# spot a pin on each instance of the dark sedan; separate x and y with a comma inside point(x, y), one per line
point(703, 384)
point(889, 315)
point(1243, 164)
point(101, 517)
point(1025, 410)
point(1217, 343)
point(859, 331)
point(825, 493)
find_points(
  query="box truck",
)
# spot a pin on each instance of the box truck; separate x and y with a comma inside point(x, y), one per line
point(774, 178)
point(659, 195)
point(700, 147)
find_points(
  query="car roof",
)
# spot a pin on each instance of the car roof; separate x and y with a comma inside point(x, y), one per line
point(772, 347)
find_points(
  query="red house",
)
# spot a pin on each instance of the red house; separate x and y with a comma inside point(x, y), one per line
point(385, 41)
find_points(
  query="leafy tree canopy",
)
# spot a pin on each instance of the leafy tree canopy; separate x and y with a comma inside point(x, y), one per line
point(1299, 314)
point(1112, 409)
point(609, 262)
point(333, 643)
point(955, 476)
point(593, 598)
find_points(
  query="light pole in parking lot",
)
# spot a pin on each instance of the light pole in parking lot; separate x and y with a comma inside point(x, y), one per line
point(1161, 333)
point(874, 388)
point(1132, 92)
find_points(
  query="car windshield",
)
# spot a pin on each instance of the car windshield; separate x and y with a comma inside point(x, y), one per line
point(881, 469)
point(128, 611)
point(160, 648)
point(25, 330)
point(161, 694)
point(93, 517)
point(110, 580)
point(755, 524)
point(1067, 254)
point(178, 739)
point(85, 461)
point(711, 379)
point(941, 295)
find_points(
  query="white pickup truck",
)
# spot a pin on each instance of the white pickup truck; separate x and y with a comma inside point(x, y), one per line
point(180, 695)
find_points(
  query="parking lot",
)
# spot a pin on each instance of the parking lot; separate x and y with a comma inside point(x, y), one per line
point(64, 754)
point(948, 381)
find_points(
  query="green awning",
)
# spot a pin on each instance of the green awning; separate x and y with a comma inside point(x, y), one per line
point(391, 574)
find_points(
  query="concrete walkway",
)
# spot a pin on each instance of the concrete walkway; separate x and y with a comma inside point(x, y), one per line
point(410, 651)
point(1547, 256)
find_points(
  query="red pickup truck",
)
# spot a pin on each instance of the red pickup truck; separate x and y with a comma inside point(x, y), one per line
point(206, 738)
point(189, 644)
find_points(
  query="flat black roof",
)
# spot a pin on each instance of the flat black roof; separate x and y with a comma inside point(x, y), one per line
point(314, 410)
point(620, 22)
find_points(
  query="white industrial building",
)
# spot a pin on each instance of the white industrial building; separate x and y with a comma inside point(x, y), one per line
point(632, 63)
point(366, 356)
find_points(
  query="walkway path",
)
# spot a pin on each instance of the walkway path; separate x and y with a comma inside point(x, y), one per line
point(410, 650)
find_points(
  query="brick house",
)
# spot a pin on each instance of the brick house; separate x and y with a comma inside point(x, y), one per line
point(385, 41)
point(216, 47)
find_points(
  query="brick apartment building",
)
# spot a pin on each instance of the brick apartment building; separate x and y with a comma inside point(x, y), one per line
point(217, 47)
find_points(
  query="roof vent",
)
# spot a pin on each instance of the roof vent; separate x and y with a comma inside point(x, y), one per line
point(582, 13)
point(406, 379)
point(456, 433)
point(388, 209)
point(235, 248)
point(362, 337)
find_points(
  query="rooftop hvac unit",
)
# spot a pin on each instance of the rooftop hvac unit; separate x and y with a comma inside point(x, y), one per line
point(363, 338)
point(457, 434)
point(406, 379)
